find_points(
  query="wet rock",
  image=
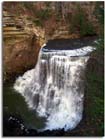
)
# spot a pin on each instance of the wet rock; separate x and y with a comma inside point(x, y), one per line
point(14, 126)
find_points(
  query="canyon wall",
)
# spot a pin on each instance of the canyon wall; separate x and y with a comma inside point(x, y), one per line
point(28, 25)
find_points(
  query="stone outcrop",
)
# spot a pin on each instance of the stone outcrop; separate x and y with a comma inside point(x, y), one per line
point(21, 45)
point(20, 56)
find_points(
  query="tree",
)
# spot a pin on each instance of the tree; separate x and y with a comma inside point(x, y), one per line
point(99, 13)
point(80, 23)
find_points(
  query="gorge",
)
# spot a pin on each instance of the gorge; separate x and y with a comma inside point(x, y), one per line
point(55, 87)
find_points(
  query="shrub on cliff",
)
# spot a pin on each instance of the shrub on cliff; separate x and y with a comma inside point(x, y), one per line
point(43, 14)
point(99, 13)
point(80, 23)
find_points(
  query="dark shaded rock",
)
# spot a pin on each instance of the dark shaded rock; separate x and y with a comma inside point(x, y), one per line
point(14, 126)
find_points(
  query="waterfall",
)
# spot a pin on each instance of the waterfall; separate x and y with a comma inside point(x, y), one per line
point(55, 87)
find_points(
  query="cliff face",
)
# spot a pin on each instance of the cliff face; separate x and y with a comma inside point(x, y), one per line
point(28, 25)
point(57, 19)
point(20, 56)
point(21, 45)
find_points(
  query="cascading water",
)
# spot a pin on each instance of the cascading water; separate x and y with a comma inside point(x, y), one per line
point(55, 88)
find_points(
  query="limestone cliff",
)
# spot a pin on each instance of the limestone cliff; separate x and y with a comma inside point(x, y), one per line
point(21, 45)
point(28, 25)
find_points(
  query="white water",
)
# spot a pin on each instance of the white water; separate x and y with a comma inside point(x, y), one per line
point(55, 88)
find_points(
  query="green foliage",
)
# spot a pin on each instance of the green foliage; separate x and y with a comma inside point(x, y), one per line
point(99, 13)
point(29, 6)
point(86, 29)
point(80, 23)
point(100, 45)
point(37, 22)
point(43, 14)
point(95, 96)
